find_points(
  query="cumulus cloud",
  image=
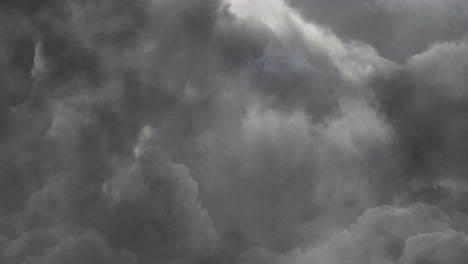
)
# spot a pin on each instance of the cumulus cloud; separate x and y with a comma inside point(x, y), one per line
point(154, 208)
point(441, 247)
point(149, 211)
point(209, 131)
point(398, 29)
point(425, 101)
point(44, 247)
point(417, 234)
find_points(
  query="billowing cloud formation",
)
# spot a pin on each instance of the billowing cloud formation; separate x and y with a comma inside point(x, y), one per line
point(154, 205)
point(209, 131)
point(418, 234)
point(150, 209)
point(425, 100)
point(86, 248)
point(398, 29)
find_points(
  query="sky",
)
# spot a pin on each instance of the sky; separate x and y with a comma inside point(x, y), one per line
point(233, 131)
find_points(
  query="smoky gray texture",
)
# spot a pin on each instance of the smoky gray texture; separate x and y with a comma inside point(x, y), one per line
point(398, 29)
point(233, 132)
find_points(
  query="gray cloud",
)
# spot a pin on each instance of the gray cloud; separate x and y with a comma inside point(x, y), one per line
point(151, 209)
point(45, 247)
point(425, 102)
point(417, 234)
point(232, 131)
point(398, 29)
point(442, 247)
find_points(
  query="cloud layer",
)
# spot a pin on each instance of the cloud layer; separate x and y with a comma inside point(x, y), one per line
point(209, 131)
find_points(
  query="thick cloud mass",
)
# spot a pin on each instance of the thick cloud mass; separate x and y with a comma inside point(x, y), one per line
point(398, 29)
point(416, 235)
point(233, 131)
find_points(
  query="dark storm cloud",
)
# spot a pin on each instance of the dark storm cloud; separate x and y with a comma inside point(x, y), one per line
point(17, 60)
point(387, 235)
point(398, 29)
point(48, 247)
point(426, 103)
point(196, 131)
point(150, 208)
point(296, 157)
point(69, 138)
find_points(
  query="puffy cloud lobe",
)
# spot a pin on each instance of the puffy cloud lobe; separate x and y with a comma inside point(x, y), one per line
point(384, 235)
point(272, 150)
point(155, 211)
point(88, 248)
point(441, 247)
point(381, 232)
point(45, 247)
point(151, 209)
point(398, 29)
point(304, 40)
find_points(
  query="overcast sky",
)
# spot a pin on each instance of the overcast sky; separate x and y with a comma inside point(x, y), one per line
point(233, 131)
